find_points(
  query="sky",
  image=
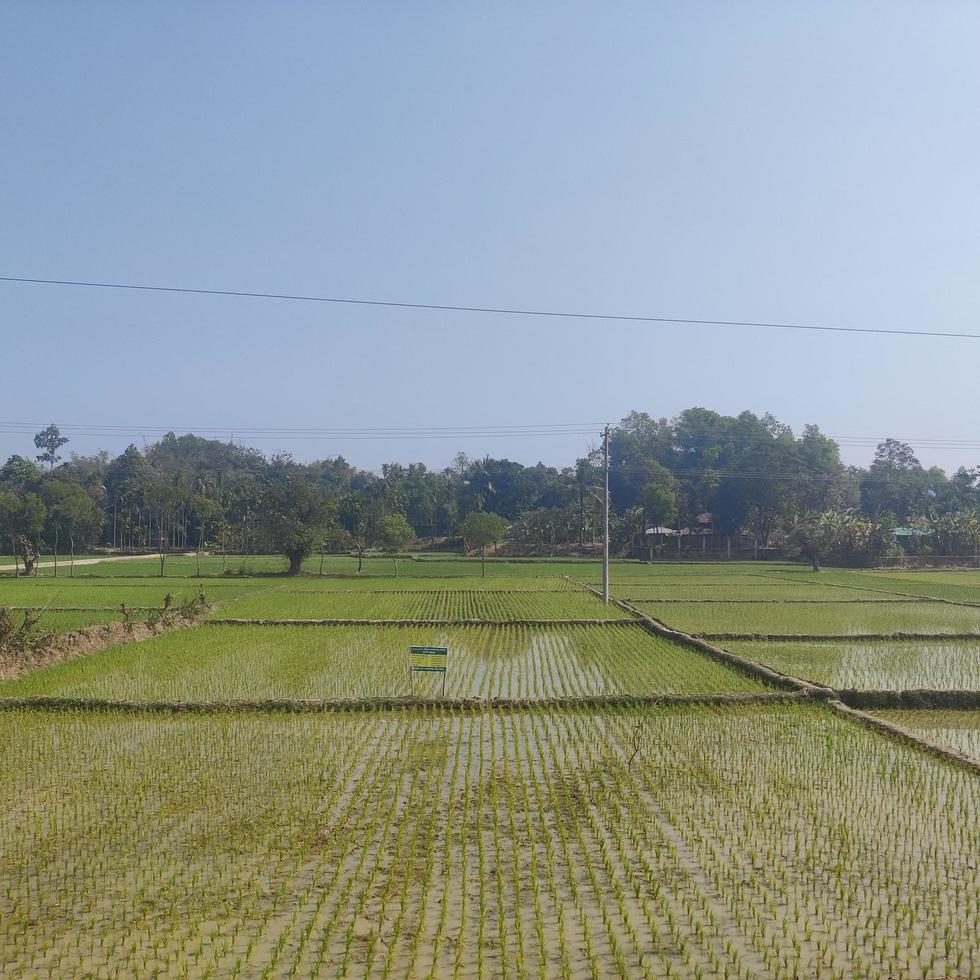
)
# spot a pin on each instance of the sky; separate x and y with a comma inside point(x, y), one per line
point(811, 163)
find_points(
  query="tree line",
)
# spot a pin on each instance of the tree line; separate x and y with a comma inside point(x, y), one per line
point(741, 474)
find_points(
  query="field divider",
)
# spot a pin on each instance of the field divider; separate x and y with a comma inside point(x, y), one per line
point(903, 734)
point(913, 698)
point(836, 637)
point(743, 664)
point(833, 698)
point(321, 706)
point(320, 592)
point(782, 602)
point(904, 595)
point(418, 622)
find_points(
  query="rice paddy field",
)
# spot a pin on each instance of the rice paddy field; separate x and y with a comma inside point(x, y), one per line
point(66, 621)
point(593, 794)
point(824, 618)
point(874, 664)
point(956, 729)
point(431, 604)
point(217, 663)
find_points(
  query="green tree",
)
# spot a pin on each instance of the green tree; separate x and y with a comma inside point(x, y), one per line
point(163, 500)
point(359, 516)
point(583, 483)
point(638, 447)
point(19, 473)
point(295, 517)
point(393, 535)
point(895, 483)
point(658, 496)
point(836, 535)
point(71, 515)
point(480, 529)
point(49, 441)
point(23, 518)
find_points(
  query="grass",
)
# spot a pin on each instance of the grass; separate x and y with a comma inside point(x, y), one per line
point(959, 730)
point(253, 662)
point(845, 618)
point(677, 842)
point(873, 664)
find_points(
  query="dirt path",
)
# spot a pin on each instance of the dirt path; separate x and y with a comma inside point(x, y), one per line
point(66, 562)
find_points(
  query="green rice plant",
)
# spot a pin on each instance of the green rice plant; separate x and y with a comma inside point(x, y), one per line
point(959, 586)
point(421, 567)
point(56, 621)
point(216, 663)
point(873, 664)
point(845, 619)
point(415, 584)
point(953, 729)
point(687, 571)
point(495, 606)
point(109, 593)
point(746, 588)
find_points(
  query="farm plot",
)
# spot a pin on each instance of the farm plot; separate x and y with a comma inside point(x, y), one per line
point(177, 566)
point(468, 583)
point(954, 729)
point(85, 595)
point(57, 621)
point(964, 588)
point(627, 572)
point(526, 568)
point(961, 586)
point(746, 590)
point(677, 842)
point(654, 578)
point(421, 605)
point(844, 619)
point(638, 570)
point(216, 663)
point(454, 568)
point(873, 664)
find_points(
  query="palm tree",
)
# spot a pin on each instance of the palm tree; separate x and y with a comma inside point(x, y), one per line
point(480, 483)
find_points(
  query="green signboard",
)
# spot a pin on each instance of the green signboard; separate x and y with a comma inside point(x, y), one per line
point(429, 659)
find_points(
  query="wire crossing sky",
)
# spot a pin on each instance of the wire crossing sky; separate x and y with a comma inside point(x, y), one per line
point(567, 314)
point(495, 216)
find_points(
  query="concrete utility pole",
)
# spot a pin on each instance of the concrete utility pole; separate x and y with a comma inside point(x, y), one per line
point(605, 516)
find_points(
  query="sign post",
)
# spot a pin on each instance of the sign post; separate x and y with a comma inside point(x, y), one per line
point(429, 660)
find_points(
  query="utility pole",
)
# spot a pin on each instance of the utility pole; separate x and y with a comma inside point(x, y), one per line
point(605, 517)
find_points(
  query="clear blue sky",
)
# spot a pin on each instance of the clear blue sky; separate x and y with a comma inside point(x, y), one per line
point(811, 162)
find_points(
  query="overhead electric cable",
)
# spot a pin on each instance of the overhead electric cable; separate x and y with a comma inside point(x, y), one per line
point(504, 311)
point(679, 443)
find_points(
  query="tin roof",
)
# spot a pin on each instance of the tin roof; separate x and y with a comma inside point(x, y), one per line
point(910, 532)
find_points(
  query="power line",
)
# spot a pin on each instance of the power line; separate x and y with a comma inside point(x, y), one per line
point(544, 426)
point(504, 311)
point(544, 429)
point(339, 435)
